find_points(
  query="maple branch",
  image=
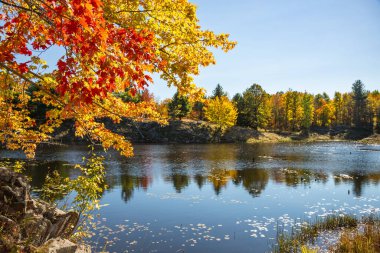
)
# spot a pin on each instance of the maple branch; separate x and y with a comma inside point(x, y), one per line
point(16, 6)
point(183, 43)
point(32, 82)
point(52, 9)
point(148, 10)
point(88, 132)
point(134, 11)
point(118, 115)
point(29, 10)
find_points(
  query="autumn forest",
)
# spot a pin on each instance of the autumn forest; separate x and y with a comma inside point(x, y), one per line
point(289, 111)
point(92, 161)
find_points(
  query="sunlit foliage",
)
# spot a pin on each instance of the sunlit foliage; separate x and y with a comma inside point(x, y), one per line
point(106, 47)
point(221, 111)
point(294, 110)
point(254, 104)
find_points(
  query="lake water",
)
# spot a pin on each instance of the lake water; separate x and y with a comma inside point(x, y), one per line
point(221, 198)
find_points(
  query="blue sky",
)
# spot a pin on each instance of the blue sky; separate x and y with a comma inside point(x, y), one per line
point(313, 45)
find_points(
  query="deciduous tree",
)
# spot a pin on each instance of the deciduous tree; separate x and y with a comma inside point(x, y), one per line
point(106, 47)
point(338, 104)
point(374, 107)
point(293, 109)
point(221, 111)
point(324, 114)
point(278, 111)
point(307, 111)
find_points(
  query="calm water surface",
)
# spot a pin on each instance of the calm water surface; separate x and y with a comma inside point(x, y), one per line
point(221, 198)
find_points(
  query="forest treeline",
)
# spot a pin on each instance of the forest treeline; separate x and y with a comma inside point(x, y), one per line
point(257, 109)
point(285, 111)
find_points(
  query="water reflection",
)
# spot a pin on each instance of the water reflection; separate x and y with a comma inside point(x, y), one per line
point(37, 170)
point(129, 183)
point(250, 167)
point(295, 177)
point(358, 180)
point(180, 181)
point(254, 181)
point(224, 198)
point(200, 180)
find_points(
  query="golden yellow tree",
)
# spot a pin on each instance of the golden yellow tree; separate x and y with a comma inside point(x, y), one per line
point(221, 111)
point(294, 110)
point(278, 113)
point(181, 43)
point(374, 107)
point(325, 114)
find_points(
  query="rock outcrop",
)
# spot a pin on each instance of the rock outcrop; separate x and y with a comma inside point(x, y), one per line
point(176, 131)
point(27, 223)
point(192, 131)
point(59, 245)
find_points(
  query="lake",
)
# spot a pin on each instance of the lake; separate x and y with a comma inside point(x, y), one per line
point(222, 197)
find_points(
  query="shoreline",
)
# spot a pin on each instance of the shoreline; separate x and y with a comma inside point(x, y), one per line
point(201, 132)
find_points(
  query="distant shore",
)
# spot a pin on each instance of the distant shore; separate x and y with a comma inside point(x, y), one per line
point(190, 131)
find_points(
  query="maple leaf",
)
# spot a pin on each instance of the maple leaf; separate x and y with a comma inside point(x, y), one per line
point(23, 68)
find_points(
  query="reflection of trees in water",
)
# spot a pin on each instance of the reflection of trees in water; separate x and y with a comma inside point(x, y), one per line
point(177, 160)
point(358, 180)
point(220, 178)
point(253, 180)
point(222, 153)
point(374, 178)
point(357, 186)
point(200, 180)
point(295, 177)
point(182, 165)
point(38, 170)
point(199, 159)
point(180, 181)
point(129, 183)
point(177, 175)
point(210, 164)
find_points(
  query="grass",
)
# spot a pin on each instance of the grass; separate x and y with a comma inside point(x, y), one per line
point(357, 235)
point(297, 240)
point(373, 139)
point(268, 137)
point(366, 239)
point(305, 249)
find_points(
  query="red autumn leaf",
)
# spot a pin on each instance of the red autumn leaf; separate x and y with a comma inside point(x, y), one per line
point(61, 65)
point(23, 68)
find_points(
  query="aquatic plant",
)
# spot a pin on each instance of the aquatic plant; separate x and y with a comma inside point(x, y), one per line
point(366, 239)
point(307, 233)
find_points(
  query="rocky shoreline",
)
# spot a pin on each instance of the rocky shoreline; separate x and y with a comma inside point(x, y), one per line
point(32, 225)
point(190, 131)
